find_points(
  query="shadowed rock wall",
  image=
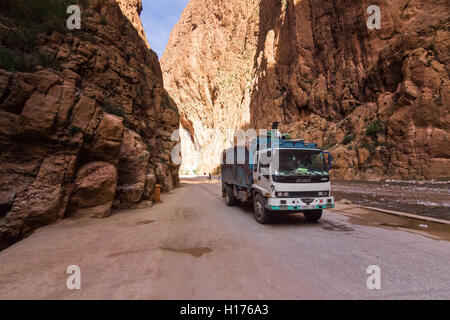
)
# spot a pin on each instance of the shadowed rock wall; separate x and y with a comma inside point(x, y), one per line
point(85, 122)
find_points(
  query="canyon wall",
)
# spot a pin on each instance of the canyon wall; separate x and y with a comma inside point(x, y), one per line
point(378, 99)
point(208, 67)
point(85, 122)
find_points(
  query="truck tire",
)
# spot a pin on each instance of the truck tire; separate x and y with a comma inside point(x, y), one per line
point(262, 215)
point(229, 196)
point(313, 215)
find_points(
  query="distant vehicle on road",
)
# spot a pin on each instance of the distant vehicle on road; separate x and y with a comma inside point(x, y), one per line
point(278, 175)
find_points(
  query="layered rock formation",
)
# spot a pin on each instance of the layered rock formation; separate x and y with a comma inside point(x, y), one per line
point(85, 123)
point(378, 99)
point(208, 67)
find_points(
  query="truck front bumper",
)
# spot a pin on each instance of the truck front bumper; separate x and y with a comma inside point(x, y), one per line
point(289, 204)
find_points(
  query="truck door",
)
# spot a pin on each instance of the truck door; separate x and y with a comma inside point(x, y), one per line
point(263, 174)
point(255, 168)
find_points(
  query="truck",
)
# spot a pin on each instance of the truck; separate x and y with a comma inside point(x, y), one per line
point(278, 175)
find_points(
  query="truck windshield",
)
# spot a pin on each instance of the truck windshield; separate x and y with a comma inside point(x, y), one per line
point(301, 162)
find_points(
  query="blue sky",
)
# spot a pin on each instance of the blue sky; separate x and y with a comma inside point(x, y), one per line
point(159, 17)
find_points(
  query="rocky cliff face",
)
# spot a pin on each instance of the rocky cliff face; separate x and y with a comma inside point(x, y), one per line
point(208, 67)
point(132, 10)
point(378, 99)
point(85, 123)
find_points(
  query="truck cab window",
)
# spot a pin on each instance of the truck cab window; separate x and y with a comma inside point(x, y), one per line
point(302, 162)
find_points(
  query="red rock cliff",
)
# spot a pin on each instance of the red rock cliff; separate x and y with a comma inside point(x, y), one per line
point(85, 123)
point(379, 99)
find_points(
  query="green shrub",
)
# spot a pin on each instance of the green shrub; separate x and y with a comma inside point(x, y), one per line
point(112, 108)
point(27, 19)
point(127, 123)
point(32, 17)
point(21, 39)
point(73, 130)
point(168, 103)
point(439, 102)
point(374, 128)
point(8, 60)
point(140, 91)
point(86, 37)
point(216, 171)
point(47, 61)
point(347, 139)
point(41, 16)
point(14, 61)
point(369, 146)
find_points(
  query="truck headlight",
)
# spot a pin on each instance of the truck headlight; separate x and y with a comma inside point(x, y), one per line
point(322, 193)
point(282, 194)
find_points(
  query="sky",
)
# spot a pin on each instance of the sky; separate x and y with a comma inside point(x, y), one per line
point(159, 17)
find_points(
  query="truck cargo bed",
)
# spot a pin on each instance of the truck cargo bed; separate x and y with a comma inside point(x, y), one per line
point(237, 171)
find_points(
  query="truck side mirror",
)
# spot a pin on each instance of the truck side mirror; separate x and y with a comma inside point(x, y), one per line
point(330, 166)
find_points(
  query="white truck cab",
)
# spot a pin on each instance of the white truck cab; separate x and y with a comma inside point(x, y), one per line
point(293, 179)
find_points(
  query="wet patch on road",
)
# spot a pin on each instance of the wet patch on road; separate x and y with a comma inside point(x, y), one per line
point(370, 218)
point(185, 214)
point(331, 226)
point(195, 252)
point(144, 222)
point(117, 254)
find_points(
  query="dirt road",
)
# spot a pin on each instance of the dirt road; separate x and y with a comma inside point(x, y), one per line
point(192, 246)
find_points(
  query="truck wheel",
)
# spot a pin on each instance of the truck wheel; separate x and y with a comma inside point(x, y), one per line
point(313, 215)
point(229, 196)
point(261, 213)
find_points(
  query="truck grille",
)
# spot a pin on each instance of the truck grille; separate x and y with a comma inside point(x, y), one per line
point(300, 179)
point(305, 194)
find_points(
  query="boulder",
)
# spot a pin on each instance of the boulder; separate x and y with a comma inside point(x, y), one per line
point(127, 195)
point(133, 164)
point(94, 190)
point(39, 113)
point(86, 116)
point(108, 139)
